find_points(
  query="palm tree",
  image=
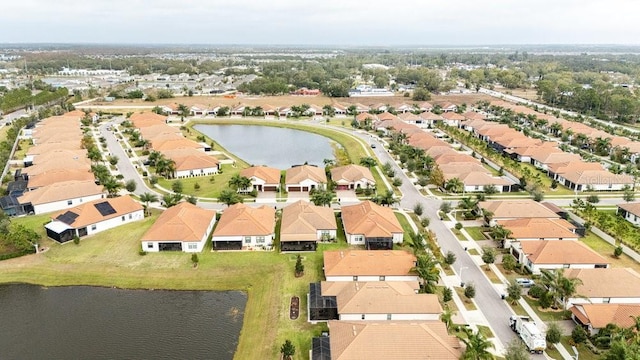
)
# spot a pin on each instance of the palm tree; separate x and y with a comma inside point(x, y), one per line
point(183, 110)
point(467, 203)
point(560, 287)
point(112, 186)
point(94, 154)
point(447, 317)
point(417, 242)
point(328, 110)
point(321, 197)
point(454, 185)
point(556, 128)
point(368, 162)
point(229, 197)
point(427, 270)
point(239, 182)
point(170, 200)
point(477, 346)
point(500, 233)
point(147, 198)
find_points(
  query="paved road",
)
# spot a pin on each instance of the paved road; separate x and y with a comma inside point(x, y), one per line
point(125, 167)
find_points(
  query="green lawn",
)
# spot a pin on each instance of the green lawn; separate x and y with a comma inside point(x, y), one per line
point(468, 304)
point(404, 222)
point(606, 250)
point(208, 188)
point(547, 314)
point(111, 259)
point(476, 232)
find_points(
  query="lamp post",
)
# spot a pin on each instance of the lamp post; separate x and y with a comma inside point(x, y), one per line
point(460, 274)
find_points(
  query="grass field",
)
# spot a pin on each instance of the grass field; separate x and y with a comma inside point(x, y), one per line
point(111, 259)
point(476, 232)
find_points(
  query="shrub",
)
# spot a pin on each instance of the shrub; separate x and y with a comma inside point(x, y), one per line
point(488, 255)
point(418, 209)
point(470, 291)
point(425, 221)
point(537, 291)
point(142, 253)
point(76, 240)
point(546, 300)
point(449, 258)
point(447, 294)
point(579, 335)
point(553, 334)
point(458, 226)
point(153, 180)
point(508, 262)
point(617, 251)
point(145, 152)
point(194, 258)
point(396, 182)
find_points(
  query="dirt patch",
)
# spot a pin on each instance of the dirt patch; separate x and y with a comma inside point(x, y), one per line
point(294, 309)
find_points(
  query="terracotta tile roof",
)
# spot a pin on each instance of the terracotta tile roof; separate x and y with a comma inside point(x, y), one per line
point(368, 262)
point(387, 116)
point(456, 157)
point(172, 144)
point(611, 282)
point(633, 208)
point(241, 220)
point(154, 131)
point(298, 174)
point(517, 209)
point(381, 297)
point(409, 116)
point(452, 116)
point(362, 117)
point(61, 145)
point(392, 340)
point(551, 156)
point(544, 252)
point(539, 228)
point(268, 174)
point(61, 155)
point(573, 166)
point(428, 115)
point(60, 175)
point(191, 159)
point(89, 214)
point(302, 221)
point(597, 177)
point(60, 191)
point(351, 173)
point(601, 315)
point(476, 178)
point(183, 222)
point(473, 115)
point(370, 219)
point(58, 164)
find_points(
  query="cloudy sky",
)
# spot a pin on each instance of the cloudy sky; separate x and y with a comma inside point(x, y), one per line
point(321, 22)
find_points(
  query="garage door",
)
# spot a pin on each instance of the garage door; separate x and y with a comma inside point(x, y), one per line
point(343, 187)
point(270, 188)
point(294, 188)
point(305, 188)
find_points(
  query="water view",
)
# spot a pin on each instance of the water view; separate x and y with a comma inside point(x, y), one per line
point(265, 145)
point(82, 322)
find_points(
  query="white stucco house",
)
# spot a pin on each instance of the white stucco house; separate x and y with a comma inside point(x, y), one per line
point(61, 195)
point(184, 227)
point(245, 228)
point(371, 225)
point(93, 217)
point(366, 265)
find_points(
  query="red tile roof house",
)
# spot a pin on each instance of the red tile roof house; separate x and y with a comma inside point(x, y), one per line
point(515, 209)
point(93, 217)
point(184, 227)
point(527, 229)
point(537, 255)
point(373, 301)
point(597, 316)
point(390, 340)
point(340, 110)
point(262, 178)
point(191, 162)
point(305, 178)
point(630, 211)
point(598, 180)
point(304, 224)
point(61, 195)
point(371, 225)
point(367, 266)
point(352, 177)
point(604, 286)
point(245, 228)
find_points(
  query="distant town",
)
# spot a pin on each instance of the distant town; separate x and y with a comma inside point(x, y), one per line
point(400, 203)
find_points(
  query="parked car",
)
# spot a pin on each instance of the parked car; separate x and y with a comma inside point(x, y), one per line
point(373, 146)
point(525, 282)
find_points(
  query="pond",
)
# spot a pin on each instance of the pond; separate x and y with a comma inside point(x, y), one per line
point(277, 147)
point(82, 322)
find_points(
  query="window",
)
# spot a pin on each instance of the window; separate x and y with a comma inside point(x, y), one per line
point(565, 266)
point(606, 300)
point(149, 245)
point(362, 317)
point(381, 278)
point(122, 217)
point(130, 216)
point(192, 246)
point(247, 239)
point(260, 239)
point(355, 278)
point(388, 316)
point(93, 227)
point(69, 202)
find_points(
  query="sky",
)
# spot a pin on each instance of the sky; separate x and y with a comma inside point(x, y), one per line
point(321, 22)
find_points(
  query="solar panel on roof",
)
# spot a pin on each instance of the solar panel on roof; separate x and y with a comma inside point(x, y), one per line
point(105, 208)
point(68, 218)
